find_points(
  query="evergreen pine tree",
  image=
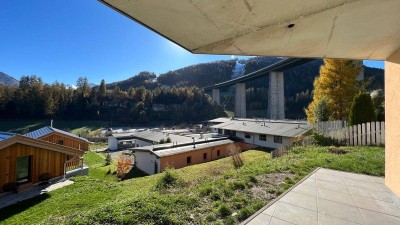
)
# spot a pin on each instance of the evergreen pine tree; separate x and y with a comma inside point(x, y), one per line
point(362, 110)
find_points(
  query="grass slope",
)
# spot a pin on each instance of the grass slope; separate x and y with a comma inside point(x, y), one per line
point(206, 193)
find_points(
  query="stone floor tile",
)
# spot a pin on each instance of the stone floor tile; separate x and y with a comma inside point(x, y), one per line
point(378, 206)
point(324, 219)
point(270, 210)
point(355, 176)
point(380, 180)
point(306, 190)
point(309, 182)
point(339, 210)
point(383, 187)
point(295, 214)
point(260, 219)
point(375, 218)
point(367, 193)
point(276, 221)
point(338, 187)
point(331, 178)
point(336, 196)
point(363, 184)
point(300, 200)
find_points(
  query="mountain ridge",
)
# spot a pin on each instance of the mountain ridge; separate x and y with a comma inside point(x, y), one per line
point(7, 79)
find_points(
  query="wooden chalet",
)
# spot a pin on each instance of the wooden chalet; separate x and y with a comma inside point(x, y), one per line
point(23, 159)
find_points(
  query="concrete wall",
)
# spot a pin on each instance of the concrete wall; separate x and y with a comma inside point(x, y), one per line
point(145, 162)
point(276, 96)
point(180, 160)
point(240, 100)
point(216, 96)
point(269, 143)
point(112, 143)
point(392, 118)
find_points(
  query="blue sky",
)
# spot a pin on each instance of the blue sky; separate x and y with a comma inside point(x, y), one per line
point(62, 40)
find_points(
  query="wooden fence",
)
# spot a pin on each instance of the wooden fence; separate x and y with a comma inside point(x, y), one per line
point(329, 126)
point(372, 133)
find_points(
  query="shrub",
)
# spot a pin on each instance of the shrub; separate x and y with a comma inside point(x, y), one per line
point(244, 213)
point(224, 210)
point(362, 110)
point(229, 220)
point(168, 179)
point(321, 140)
point(108, 159)
point(204, 191)
point(10, 187)
point(124, 164)
point(238, 185)
point(234, 151)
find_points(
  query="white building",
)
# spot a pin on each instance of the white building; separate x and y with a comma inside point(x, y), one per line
point(144, 138)
point(265, 133)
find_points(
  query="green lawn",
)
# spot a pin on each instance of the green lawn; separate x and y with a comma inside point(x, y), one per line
point(203, 194)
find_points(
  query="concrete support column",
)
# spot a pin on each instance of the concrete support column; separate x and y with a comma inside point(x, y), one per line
point(392, 122)
point(240, 100)
point(216, 96)
point(276, 96)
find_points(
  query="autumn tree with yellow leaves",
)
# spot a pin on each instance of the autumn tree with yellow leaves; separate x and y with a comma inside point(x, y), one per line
point(337, 85)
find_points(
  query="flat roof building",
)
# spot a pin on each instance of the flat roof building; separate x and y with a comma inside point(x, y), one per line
point(265, 133)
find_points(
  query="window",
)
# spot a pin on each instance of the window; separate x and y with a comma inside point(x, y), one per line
point(219, 131)
point(218, 152)
point(24, 169)
point(247, 135)
point(189, 160)
point(278, 139)
point(60, 142)
point(204, 156)
point(262, 137)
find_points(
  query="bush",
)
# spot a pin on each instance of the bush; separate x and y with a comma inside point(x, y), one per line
point(229, 220)
point(362, 110)
point(124, 164)
point(321, 140)
point(244, 213)
point(224, 210)
point(168, 179)
point(10, 187)
point(108, 159)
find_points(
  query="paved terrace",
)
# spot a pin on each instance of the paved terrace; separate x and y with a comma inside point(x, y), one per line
point(332, 197)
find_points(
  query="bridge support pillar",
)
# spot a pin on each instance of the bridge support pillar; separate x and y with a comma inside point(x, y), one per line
point(276, 96)
point(216, 96)
point(240, 100)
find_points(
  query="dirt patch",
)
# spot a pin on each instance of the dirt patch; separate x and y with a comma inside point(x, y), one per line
point(269, 186)
point(337, 150)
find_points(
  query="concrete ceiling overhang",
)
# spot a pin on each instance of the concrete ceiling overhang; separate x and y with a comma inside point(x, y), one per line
point(357, 29)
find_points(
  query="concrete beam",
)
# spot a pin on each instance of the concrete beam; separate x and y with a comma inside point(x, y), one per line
point(392, 122)
point(216, 96)
point(276, 96)
point(240, 100)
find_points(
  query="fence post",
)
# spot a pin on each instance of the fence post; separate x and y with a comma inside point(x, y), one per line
point(378, 133)
point(368, 133)
point(363, 134)
point(351, 136)
point(373, 133)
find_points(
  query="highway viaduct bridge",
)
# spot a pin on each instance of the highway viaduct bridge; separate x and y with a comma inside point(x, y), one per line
point(276, 94)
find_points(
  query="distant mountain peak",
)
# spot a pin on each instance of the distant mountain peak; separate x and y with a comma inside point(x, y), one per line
point(7, 80)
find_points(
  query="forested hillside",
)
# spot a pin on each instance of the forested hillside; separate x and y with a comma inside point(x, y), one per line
point(170, 96)
point(34, 99)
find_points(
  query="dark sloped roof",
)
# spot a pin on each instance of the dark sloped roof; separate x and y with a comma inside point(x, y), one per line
point(5, 135)
point(47, 130)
